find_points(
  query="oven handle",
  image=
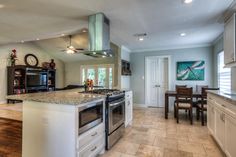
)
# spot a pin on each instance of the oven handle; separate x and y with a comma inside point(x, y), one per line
point(115, 104)
point(90, 105)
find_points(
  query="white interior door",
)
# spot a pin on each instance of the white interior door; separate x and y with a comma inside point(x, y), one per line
point(156, 81)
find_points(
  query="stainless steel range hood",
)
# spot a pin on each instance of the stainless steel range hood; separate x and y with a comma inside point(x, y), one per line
point(99, 36)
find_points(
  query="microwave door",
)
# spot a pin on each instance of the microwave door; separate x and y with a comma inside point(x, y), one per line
point(90, 116)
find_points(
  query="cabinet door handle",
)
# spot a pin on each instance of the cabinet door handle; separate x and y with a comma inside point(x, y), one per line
point(223, 106)
point(223, 117)
point(94, 134)
point(93, 149)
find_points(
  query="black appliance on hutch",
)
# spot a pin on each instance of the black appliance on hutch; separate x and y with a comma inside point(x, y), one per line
point(115, 114)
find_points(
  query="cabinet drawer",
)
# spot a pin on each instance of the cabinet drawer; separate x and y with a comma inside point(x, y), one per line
point(226, 107)
point(94, 148)
point(222, 104)
point(88, 137)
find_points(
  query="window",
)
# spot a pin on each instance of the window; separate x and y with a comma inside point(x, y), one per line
point(224, 74)
point(102, 75)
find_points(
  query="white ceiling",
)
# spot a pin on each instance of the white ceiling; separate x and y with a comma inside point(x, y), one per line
point(162, 20)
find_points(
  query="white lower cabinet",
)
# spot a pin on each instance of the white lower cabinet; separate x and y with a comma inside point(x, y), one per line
point(210, 120)
point(230, 136)
point(220, 127)
point(221, 119)
point(92, 142)
point(94, 148)
point(128, 108)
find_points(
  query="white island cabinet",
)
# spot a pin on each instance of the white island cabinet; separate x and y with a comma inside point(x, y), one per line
point(128, 108)
point(221, 122)
point(54, 124)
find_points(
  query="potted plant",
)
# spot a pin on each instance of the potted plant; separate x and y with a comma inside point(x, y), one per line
point(88, 85)
point(13, 57)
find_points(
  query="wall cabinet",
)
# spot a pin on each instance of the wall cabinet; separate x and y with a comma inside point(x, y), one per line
point(229, 41)
point(221, 119)
point(128, 108)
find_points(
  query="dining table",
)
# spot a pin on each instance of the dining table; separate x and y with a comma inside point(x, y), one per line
point(169, 94)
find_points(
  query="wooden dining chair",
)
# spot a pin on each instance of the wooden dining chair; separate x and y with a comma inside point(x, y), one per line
point(196, 101)
point(199, 88)
point(185, 94)
point(202, 104)
point(180, 86)
point(176, 87)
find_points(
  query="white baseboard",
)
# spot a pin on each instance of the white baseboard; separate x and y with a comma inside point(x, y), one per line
point(139, 105)
point(3, 102)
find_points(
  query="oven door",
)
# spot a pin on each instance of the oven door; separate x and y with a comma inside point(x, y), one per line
point(90, 115)
point(116, 114)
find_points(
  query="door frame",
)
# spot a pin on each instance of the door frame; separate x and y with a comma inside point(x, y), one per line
point(169, 73)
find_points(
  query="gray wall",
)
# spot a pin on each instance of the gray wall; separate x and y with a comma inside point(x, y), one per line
point(191, 54)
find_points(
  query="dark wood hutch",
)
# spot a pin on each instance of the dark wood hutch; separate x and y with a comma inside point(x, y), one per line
point(23, 79)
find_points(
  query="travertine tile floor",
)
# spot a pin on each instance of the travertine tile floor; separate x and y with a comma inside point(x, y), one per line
point(153, 136)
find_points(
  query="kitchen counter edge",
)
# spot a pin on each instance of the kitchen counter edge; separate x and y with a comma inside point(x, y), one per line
point(228, 97)
point(66, 97)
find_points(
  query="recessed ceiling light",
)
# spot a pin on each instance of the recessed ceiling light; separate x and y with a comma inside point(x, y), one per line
point(94, 53)
point(37, 39)
point(188, 1)
point(22, 41)
point(2, 6)
point(140, 38)
point(183, 34)
point(62, 35)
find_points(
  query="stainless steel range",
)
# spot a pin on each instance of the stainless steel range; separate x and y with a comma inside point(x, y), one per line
point(115, 114)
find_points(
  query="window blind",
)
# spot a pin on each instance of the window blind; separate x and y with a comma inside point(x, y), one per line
point(224, 74)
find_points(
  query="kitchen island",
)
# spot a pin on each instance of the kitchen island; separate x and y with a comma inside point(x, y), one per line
point(51, 125)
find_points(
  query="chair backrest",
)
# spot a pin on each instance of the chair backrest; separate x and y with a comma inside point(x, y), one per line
point(199, 88)
point(180, 86)
point(204, 93)
point(184, 93)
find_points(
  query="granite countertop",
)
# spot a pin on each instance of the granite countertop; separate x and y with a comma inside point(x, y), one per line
point(229, 95)
point(69, 97)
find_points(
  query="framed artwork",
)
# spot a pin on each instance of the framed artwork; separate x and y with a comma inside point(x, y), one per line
point(191, 70)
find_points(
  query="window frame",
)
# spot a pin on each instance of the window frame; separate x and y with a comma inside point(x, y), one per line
point(96, 67)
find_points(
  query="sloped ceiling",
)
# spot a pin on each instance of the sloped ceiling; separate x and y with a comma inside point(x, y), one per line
point(162, 20)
